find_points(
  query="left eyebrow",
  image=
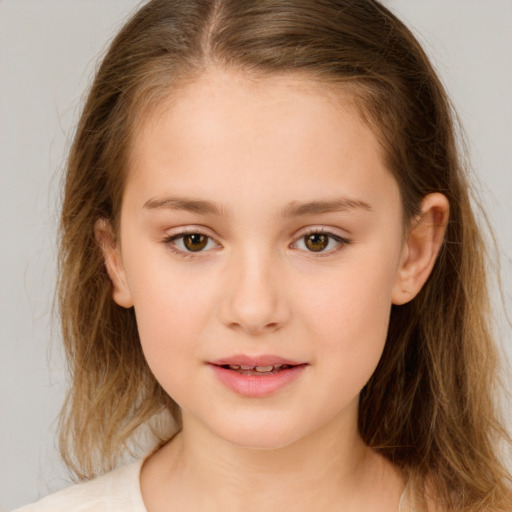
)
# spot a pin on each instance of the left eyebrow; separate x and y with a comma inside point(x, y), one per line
point(339, 204)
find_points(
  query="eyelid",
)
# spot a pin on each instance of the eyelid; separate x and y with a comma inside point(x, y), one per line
point(169, 239)
point(341, 240)
point(190, 230)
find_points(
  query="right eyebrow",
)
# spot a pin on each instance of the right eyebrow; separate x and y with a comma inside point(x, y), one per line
point(198, 206)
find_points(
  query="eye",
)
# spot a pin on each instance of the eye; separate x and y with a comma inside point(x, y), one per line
point(190, 242)
point(320, 242)
point(195, 242)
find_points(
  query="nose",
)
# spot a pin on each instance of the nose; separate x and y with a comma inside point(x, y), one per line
point(254, 298)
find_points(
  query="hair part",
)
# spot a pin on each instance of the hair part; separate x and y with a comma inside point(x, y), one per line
point(430, 406)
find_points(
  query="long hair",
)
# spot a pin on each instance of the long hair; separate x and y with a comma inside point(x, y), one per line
point(430, 407)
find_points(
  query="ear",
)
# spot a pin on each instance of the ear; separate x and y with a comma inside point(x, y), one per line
point(421, 247)
point(106, 239)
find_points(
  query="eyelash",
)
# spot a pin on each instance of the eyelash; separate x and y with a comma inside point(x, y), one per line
point(341, 241)
point(169, 242)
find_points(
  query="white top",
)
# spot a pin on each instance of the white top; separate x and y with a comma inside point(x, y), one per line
point(117, 491)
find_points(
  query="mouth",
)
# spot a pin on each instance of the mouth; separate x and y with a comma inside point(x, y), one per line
point(258, 370)
point(257, 377)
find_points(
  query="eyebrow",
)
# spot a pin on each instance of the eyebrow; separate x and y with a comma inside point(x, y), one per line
point(199, 206)
point(293, 209)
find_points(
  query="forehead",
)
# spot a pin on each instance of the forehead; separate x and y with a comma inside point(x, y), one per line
point(230, 127)
point(246, 101)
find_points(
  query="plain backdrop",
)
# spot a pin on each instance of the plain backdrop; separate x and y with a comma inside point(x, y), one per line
point(48, 52)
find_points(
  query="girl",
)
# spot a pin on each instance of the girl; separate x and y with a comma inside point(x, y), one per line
point(267, 244)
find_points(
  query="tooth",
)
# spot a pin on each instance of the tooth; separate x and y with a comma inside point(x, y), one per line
point(244, 367)
point(264, 368)
point(234, 367)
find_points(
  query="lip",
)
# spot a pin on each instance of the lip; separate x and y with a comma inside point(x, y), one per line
point(261, 360)
point(257, 386)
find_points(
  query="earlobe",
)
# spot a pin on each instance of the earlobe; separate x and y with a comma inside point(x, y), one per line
point(421, 248)
point(105, 238)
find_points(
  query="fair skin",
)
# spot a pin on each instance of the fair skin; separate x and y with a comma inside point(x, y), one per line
point(286, 163)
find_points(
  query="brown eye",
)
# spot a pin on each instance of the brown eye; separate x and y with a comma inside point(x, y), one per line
point(195, 242)
point(316, 242)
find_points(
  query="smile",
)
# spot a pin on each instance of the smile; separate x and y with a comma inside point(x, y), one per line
point(257, 380)
point(257, 370)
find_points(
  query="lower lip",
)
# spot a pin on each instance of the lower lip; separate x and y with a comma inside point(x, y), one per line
point(257, 386)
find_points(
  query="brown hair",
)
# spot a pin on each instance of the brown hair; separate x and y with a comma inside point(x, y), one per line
point(430, 406)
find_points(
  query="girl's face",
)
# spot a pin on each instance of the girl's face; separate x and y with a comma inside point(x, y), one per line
point(259, 226)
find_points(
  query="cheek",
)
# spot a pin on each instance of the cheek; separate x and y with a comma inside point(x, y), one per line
point(350, 320)
point(170, 325)
point(172, 310)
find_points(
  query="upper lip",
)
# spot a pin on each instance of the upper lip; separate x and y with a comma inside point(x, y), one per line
point(262, 360)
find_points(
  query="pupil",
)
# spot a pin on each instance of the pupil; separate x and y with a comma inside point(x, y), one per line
point(317, 242)
point(195, 242)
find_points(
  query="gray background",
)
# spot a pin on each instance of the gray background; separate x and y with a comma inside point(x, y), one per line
point(48, 51)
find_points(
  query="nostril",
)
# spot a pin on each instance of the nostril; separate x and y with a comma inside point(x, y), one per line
point(252, 328)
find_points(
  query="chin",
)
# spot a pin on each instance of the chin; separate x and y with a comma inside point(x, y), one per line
point(258, 435)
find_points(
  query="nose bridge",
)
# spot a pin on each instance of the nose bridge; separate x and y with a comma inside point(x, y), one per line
point(255, 300)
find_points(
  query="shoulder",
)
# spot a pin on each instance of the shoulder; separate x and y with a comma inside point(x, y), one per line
point(113, 492)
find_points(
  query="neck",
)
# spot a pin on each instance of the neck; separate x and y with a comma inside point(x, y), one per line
point(330, 467)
